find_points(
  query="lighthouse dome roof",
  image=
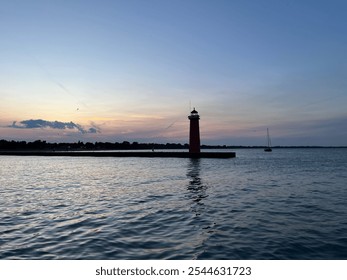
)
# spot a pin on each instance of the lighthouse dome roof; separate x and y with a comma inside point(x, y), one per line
point(194, 111)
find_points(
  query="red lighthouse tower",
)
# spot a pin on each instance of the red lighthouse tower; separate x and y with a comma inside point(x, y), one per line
point(194, 133)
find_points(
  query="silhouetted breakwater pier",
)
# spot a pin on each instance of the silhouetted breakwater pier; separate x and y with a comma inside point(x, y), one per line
point(120, 154)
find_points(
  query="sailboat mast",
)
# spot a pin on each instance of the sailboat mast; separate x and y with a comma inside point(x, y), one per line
point(268, 139)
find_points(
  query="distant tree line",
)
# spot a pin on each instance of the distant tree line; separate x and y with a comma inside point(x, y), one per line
point(125, 145)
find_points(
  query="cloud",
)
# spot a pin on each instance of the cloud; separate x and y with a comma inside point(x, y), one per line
point(31, 124)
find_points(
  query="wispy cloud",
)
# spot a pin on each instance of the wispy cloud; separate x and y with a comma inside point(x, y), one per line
point(32, 124)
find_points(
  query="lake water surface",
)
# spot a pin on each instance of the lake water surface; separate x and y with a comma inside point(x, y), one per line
point(288, 204)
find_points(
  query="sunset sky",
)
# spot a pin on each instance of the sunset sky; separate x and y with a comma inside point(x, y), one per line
point(109, 70)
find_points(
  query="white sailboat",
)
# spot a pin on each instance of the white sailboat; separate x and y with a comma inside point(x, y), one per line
point(268, 148)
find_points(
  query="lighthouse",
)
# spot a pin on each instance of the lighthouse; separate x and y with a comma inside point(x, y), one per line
point(194, 133)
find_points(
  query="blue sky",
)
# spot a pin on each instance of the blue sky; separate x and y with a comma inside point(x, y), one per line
point(131, 70)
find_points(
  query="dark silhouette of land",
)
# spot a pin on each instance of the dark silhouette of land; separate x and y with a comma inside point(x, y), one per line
point(80, 146)
point(40, 145)
point(101, 149)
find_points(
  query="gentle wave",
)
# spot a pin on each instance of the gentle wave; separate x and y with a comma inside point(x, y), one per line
point(286, 205)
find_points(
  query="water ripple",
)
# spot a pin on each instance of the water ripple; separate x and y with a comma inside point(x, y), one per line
point(287, 205)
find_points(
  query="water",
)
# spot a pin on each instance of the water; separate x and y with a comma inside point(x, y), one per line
point(288, 204)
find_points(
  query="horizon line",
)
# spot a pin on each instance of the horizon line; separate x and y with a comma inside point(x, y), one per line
point(134, 143)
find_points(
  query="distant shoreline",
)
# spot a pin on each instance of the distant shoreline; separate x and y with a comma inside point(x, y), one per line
point(40, 145)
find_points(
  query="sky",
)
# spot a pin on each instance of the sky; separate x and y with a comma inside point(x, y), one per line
point(112, 70)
